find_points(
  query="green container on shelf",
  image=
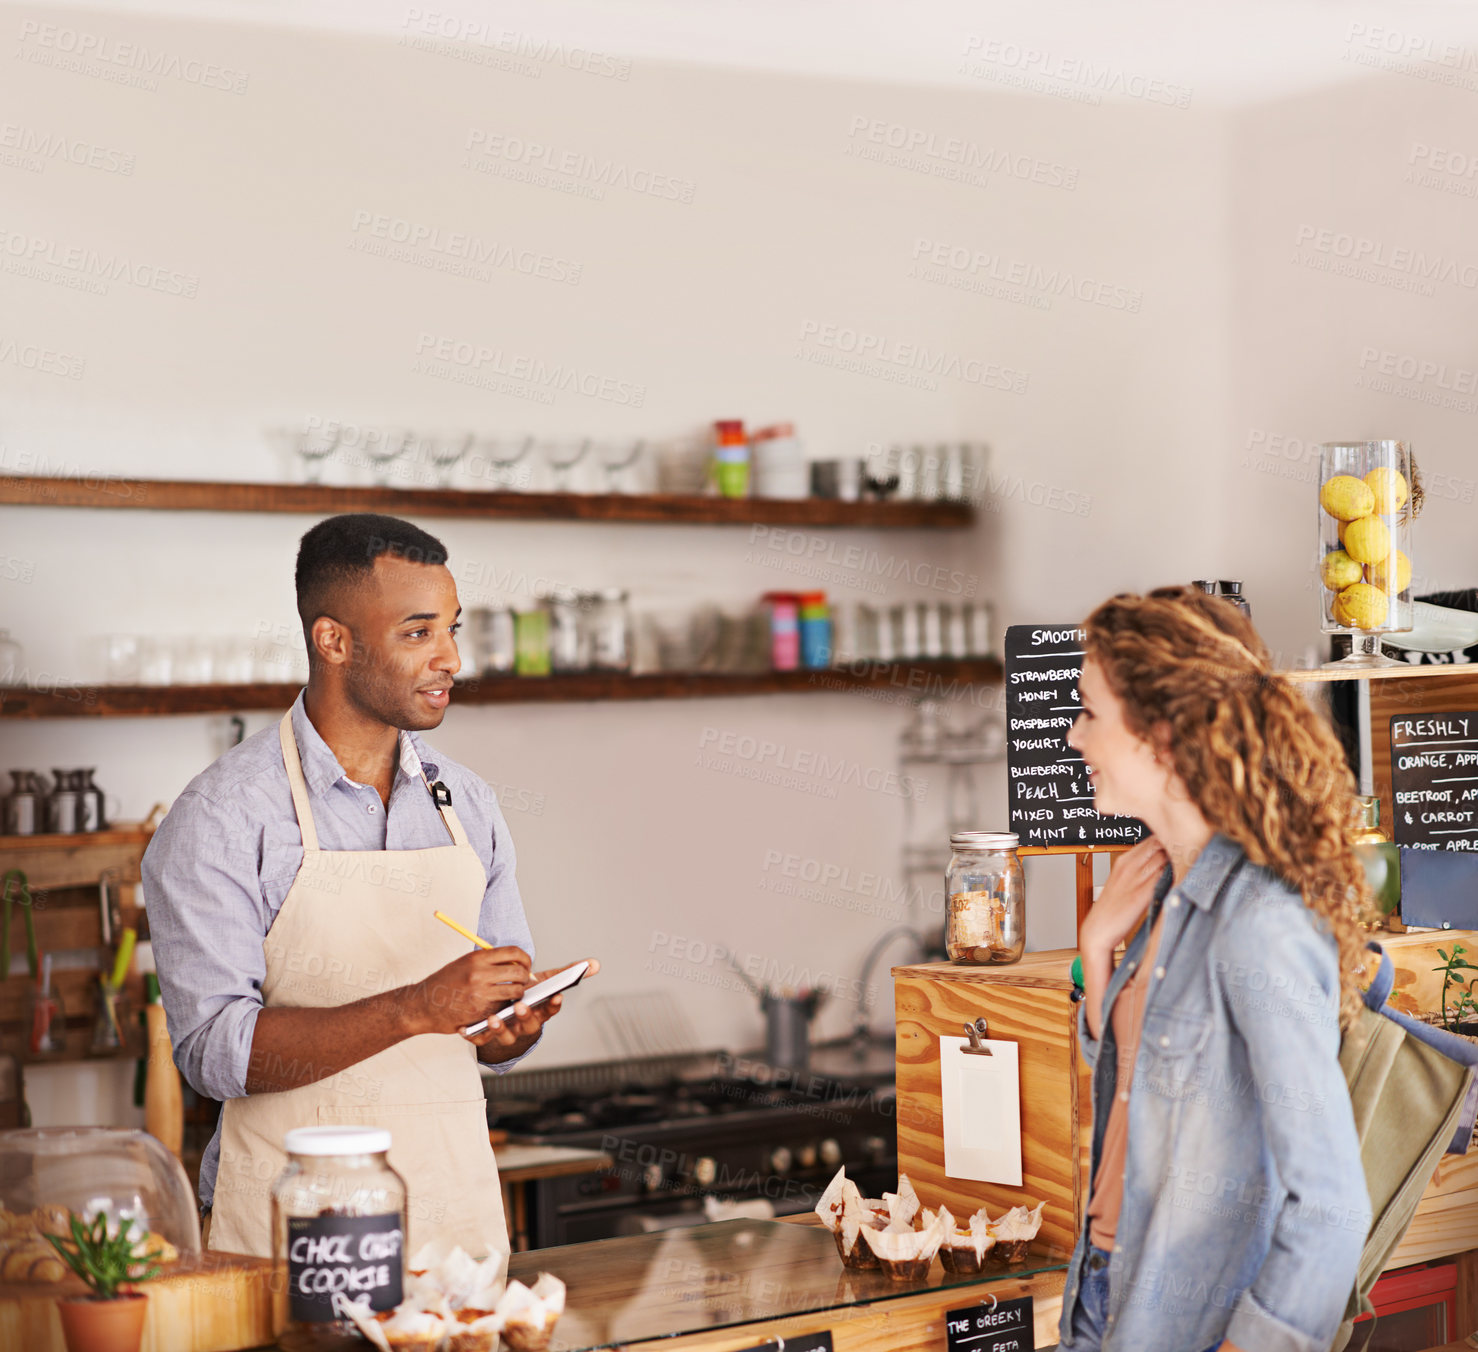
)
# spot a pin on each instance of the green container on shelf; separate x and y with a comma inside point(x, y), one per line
point(531, 642)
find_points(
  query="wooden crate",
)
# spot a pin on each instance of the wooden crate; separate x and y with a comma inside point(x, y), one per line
point(1030, 1003)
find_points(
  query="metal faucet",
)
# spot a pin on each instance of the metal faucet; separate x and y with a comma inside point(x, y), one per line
point(862, 1028)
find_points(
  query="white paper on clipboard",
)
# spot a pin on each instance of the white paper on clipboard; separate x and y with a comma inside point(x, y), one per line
point(982, 1111)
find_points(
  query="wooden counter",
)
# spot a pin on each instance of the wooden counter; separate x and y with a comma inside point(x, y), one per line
point(741, 1283)
point(1029, 1002)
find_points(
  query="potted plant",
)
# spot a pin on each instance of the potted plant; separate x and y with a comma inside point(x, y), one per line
point(106, 1258)
point(1459, 1016)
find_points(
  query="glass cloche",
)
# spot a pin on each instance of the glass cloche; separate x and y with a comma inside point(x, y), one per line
point(46, 1172)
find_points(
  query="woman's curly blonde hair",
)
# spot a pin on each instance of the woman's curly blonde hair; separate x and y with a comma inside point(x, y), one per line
point(1262, 766)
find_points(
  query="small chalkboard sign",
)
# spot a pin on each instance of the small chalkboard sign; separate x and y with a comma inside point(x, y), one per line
point(1001, 1326)
point(1434, 780)
point(798, 1342)
point(1049, 796)
point(334, 1261)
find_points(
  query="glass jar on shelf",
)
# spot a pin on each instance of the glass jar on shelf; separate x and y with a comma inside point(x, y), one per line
point(569, 637)
point(610, 630)
point(1368, 494)
point(494, 651)
point(986, 890)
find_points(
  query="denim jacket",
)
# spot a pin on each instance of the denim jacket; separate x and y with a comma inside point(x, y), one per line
point(1245, 1207)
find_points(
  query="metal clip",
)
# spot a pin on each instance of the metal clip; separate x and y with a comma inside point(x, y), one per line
point(975, 1031)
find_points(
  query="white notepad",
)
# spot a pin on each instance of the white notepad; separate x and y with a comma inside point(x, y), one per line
point(982, 1111)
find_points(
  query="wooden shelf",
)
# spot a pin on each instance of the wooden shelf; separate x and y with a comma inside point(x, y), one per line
point(918, 679)
point(1401, 673)
point(172, 495)
point(135, 834)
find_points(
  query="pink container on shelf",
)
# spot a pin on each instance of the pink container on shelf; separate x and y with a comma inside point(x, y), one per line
point(785, 630)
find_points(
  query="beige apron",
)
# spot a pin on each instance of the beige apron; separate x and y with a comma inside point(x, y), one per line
point(354, 923)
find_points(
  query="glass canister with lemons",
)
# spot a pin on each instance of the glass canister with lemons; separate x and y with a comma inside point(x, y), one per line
point(1369, 492)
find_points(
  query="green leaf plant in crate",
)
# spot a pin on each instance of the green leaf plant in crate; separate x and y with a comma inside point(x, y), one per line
point(1459, 1007)
point(106, 1256)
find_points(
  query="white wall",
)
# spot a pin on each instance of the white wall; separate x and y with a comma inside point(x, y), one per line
point(1379, 351)
point(1116, 467)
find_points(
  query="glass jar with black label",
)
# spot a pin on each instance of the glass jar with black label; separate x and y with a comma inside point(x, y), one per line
point(338, 1227)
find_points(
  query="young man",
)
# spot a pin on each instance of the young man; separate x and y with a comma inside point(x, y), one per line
point(291, 892)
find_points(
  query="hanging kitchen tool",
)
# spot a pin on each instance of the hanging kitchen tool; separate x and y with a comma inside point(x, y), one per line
point(16, 879)
point(108, 913)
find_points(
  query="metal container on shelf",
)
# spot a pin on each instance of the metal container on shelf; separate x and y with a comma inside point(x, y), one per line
point(91, 805)
point(986, 892)
point(64, 804)
point(25, 812)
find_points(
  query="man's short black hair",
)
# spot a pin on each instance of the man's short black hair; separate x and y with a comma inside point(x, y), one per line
point(343, 549)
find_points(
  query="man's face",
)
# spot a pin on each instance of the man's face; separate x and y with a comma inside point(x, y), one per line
point(404, 624)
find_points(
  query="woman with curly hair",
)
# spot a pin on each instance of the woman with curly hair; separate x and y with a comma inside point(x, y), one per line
point(1228, 1204)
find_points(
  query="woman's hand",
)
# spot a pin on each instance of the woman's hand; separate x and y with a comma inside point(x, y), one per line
point(1119, 908)
point(1124, 899)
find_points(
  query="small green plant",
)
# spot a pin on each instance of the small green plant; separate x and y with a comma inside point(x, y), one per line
point(105, 1261)
point(1466, 1008)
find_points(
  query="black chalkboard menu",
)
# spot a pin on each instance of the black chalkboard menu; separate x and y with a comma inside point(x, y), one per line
point(1434, 780)
point(1049, 796)
point(1001, 1326)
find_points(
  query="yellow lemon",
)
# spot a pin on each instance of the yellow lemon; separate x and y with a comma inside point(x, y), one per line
point(1367, 540)
point(1361, 607)
point(1339, 570)
point(1345, 497)
point(1392, 574)
point(1390, 489)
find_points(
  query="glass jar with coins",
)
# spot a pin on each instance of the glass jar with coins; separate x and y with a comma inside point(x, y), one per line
point(987, 898)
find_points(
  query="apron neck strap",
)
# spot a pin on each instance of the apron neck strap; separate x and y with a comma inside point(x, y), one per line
point(299, 786)
point(297, 783)
point(449, 816)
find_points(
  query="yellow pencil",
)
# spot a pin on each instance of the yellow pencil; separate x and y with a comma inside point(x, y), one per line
point(465, 933)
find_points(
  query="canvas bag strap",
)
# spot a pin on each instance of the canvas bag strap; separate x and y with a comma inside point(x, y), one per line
point(1384, 981)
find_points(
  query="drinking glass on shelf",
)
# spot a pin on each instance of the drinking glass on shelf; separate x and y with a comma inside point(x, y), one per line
point(383, 449)
point(156, 662)
point(682, 465)
point(563, 454)
point(235, 661)
point(194, 661)
point(121, 659)
point(498, 458)
point(617, 457)
point(905, 463)
point(444, 453)
point(880, 472)
point(310, 444)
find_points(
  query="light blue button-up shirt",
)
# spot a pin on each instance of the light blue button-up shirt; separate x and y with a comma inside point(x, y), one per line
point(1245, 1207)
point(220, 866)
